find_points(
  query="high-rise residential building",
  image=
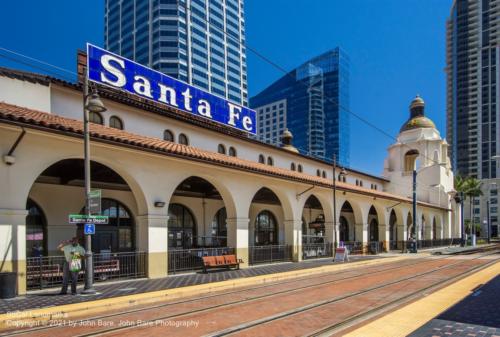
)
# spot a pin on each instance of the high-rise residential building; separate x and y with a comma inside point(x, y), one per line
point(312, 101)
point(201, 42)
point(473, 57)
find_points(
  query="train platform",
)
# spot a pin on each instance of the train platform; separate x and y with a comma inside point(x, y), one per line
point(43, 304)
point(468, 307)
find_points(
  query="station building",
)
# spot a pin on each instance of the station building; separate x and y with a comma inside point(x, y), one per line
point(177, 186)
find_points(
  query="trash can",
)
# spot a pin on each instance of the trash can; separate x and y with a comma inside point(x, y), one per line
point(8, 282)
point(412, 246)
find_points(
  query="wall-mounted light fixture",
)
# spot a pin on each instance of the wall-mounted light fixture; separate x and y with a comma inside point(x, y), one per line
point(159, 204)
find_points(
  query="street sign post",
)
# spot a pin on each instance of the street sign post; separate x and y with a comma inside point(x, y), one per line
point(95, 202)
point(89, 229)
point(93, 219)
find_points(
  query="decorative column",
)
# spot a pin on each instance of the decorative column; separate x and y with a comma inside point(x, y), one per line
point(237, 238)
point(384, 236)
point(361, 231)
point(330, 234)
point(13, 245)
point(152, 238)
point(293, 237)
point(402, 235)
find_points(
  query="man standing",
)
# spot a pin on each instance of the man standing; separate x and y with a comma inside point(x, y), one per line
point(73, 255)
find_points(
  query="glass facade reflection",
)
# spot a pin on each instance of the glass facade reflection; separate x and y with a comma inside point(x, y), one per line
point(201, 42)
point(312, 101)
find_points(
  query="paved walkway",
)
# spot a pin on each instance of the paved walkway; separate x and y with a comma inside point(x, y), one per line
point(477, 315)
point(110, 290)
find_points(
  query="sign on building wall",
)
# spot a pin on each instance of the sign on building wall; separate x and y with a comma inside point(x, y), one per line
point(109, 69)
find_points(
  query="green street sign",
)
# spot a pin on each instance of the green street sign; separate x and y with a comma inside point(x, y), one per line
point(95, 201)
point(95, 219)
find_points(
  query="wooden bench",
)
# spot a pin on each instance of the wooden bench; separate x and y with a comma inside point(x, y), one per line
point(221, 261)
point(106, 266)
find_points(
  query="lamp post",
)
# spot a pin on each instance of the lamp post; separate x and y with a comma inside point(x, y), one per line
point(459, 199)
point(488, 210)
point(91, 103)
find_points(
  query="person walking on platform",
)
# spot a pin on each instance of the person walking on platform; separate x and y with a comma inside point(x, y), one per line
point(73, 255)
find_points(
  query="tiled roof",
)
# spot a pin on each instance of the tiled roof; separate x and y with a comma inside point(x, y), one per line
point(41, 120)
point(154, 107)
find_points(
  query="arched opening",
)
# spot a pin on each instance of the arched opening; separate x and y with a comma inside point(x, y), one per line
point(347, 217)
point(393, 231)
point(410, 160)
point(36, 230)
point(314, 241)
point(197, 216)
point(232, 152)
point(266, 235)
point(59, 191)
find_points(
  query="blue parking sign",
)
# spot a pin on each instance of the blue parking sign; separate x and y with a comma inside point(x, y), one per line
point(89, 228)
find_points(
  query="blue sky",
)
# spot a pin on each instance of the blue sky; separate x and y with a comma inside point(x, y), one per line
point(396, 48)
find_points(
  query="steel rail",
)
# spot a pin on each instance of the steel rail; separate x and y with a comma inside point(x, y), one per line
point(286, 314)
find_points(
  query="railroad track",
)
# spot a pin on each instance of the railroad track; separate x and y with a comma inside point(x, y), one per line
point(255, 298)
point(339, 326)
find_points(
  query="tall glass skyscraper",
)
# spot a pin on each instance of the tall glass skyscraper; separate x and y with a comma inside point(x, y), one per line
point(201, 42)
point(312, 101)
point(473, 109)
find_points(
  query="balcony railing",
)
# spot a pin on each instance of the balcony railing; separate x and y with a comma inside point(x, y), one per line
point(47, 271)
point(269, 254)
point(184, 260)
point(317, 250)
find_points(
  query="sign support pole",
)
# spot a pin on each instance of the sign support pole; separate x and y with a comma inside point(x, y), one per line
point(89, 270)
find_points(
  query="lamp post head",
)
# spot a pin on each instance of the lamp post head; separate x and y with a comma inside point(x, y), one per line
point(343, 173)
point(94, 104)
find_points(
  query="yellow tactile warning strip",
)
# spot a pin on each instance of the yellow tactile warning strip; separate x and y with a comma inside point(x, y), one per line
point(404, 321)
point(94, 307)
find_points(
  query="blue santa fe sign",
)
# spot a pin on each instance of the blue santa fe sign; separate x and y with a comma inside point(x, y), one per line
point(89, 228)
point(106, 68)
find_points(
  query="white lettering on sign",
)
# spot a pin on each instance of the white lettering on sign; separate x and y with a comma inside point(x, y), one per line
point(121, 80)
point(113, 70)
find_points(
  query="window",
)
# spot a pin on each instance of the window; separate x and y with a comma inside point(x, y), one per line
point(96, 118)
point(318, 172)
point(232, 151)
point(118, 234)
point(168, 136)
point(221, 149)
point(266, 229)
point(116, 123)
point(36, 226)
point(299, 168)
point(183, 139)
point(292, 167)
point(270, 161)
point(323, 174)
point(181, 227)
point(262, 160)
point(219, 228)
